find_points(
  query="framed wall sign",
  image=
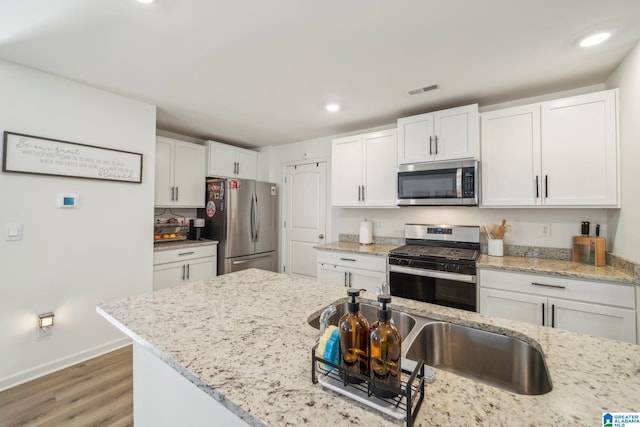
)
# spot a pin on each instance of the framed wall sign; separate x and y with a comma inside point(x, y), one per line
point(43, 156)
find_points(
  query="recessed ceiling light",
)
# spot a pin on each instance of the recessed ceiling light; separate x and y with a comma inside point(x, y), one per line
point(146, 1)
point(332, 108)
point(594, 39)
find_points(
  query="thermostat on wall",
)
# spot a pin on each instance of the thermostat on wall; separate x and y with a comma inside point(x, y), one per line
point(66, 201)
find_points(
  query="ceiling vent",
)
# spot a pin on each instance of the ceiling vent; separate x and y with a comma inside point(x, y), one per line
point(422, 90)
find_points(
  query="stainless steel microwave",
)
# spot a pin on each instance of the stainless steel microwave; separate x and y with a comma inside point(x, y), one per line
point(450, 183)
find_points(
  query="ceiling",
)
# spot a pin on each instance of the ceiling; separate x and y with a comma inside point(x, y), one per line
point(256, 72)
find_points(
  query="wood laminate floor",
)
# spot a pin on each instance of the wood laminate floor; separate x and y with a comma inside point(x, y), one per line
point(98, 392)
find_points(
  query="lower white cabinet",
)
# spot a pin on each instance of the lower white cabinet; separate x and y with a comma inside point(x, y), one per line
point(346, 269)
point(179, 266)
point(595, 308)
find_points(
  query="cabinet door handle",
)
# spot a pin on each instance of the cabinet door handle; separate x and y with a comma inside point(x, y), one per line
point(546, 186)
point(348, 259)
point(430, 146)
point(553, 316)
point(537, 188)
point(436, 141)
point(359, 194)
point(350, 285)
point(177, 194)
point(345, 279)
point(542, 314)
point(184, 270)
point(548, 286)
point(363, 193)
point(188, 273)
point(238, 170)
point(173, 193)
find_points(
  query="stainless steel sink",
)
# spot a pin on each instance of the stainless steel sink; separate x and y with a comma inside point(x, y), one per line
point(403, 321)
point(494, 359)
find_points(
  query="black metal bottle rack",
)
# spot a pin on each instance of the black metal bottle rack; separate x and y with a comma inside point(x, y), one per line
point(406, 403)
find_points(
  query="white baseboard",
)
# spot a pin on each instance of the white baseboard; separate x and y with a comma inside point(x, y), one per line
point(64, 362)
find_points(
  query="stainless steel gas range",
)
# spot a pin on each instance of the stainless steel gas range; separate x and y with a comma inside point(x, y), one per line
point(437, 264)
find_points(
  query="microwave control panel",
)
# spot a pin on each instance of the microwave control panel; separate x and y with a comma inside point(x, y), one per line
point(468, 182)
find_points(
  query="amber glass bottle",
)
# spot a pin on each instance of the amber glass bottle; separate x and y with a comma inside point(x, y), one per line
point(354, 339)
point(386, 344)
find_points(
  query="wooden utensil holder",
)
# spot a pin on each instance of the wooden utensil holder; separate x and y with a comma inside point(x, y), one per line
point(596, 243)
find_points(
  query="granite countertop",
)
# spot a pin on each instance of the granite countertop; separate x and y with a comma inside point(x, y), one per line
point(508, 263)
point(257, 362)
point(373, 249)
point(555, 267)
point(181, 244)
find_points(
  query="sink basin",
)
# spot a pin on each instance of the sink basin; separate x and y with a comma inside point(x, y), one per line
point(494, 359)
point(403, 322)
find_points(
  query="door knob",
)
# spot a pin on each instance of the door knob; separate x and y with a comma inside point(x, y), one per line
point(321, 236)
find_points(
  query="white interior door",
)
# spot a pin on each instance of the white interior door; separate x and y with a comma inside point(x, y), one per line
point(305, 217)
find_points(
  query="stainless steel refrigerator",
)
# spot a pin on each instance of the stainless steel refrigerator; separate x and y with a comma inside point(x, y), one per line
point(242, 215)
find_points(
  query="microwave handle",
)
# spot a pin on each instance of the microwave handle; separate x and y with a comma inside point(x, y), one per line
point(458, 183)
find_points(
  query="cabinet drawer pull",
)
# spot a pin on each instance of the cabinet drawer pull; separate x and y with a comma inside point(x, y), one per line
point(186, 253)
point(348, 259)
point(548, 286)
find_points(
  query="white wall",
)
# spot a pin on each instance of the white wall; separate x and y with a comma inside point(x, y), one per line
point(70, 260)
point(625, 231)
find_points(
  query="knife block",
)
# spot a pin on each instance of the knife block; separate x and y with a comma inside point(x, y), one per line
point(584, 247)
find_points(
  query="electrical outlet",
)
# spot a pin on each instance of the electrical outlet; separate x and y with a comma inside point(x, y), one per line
point(43, 332)
point(379, 223)
point(545, 230)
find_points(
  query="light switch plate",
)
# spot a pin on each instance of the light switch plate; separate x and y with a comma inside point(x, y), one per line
point(14, 232)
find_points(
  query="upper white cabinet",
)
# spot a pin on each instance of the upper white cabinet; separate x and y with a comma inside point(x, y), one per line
point(363, 170)
point(557, 153)
point(441, 135)
point(227, 161)
point(180, 174)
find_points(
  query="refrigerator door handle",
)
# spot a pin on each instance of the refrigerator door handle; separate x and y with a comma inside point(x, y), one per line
point(257, 222)
point(253, 219)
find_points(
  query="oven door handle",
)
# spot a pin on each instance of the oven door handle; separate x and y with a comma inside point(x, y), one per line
point(467, 278)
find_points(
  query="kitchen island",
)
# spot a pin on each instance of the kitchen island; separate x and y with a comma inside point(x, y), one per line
point(243, 341)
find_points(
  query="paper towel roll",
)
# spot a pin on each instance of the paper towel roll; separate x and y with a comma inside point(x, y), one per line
point(366, 232)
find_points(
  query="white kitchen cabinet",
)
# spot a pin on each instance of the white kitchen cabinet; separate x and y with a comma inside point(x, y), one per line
point(595, 308)
point(179, 266)
point(227, 161)
point(559, 153)
point(180, 178)
point(363, 172)
point(441, 135)
point(346, 269)
point(510, 152)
